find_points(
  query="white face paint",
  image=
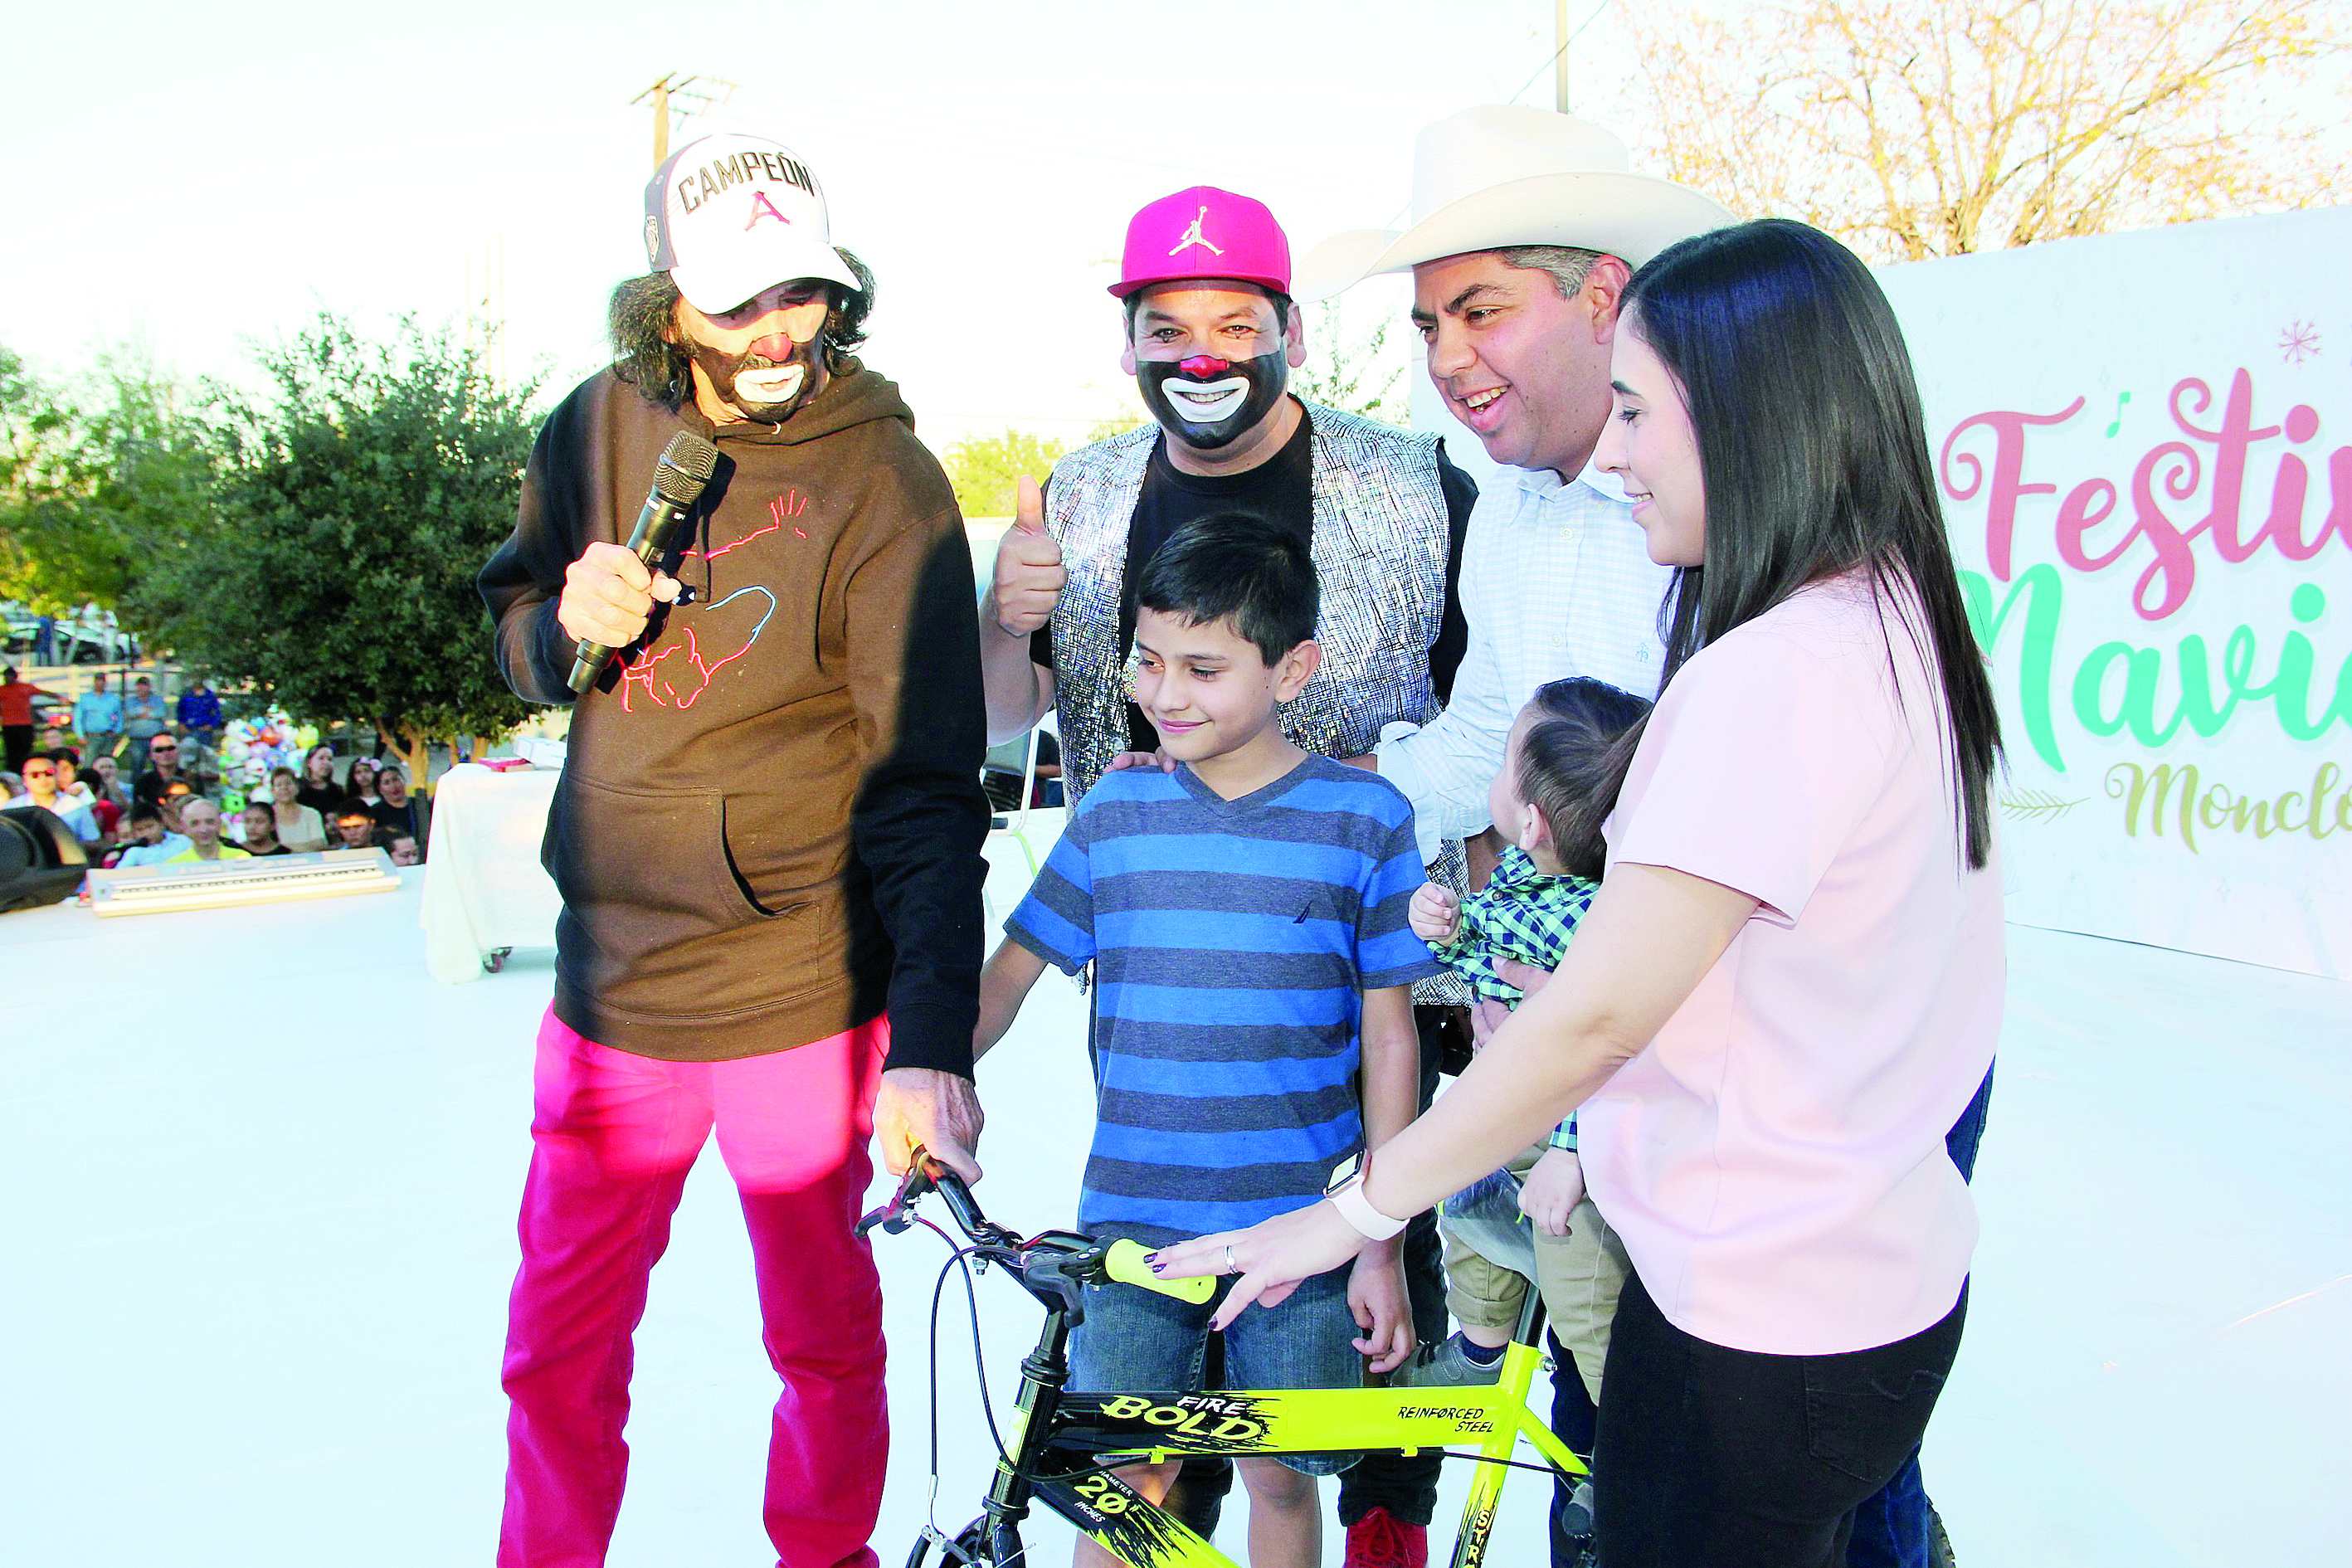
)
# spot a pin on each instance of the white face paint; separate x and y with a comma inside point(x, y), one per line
point(1206, 402)
point(773, 385)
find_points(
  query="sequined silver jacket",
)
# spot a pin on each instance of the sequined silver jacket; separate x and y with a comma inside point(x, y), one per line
point(1380, 546)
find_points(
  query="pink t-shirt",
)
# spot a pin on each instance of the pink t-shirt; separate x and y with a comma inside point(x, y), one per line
point(1774, 1158)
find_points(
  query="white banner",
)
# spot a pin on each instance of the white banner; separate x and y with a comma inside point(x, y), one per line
point(2142, 441)
point(2145, 446)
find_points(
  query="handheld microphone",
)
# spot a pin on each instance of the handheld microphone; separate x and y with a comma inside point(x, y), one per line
point(679, 475)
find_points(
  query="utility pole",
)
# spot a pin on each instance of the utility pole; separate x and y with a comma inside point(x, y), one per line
point(1559, 58)
point(700, 94)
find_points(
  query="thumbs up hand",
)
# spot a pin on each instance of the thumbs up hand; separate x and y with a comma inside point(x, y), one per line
point(1029, 574)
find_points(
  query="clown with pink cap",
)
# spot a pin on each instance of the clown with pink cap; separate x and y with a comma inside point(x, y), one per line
point(1211, 335)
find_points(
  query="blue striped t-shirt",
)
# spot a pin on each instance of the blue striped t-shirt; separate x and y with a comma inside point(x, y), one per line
point(1234, 940)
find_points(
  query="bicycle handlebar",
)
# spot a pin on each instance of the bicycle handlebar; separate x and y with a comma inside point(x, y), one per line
point(1061, 1254)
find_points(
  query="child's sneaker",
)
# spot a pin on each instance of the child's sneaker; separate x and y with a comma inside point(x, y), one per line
point(1445, 1364)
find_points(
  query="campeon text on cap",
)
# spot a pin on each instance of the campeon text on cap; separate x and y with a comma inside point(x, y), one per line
point(729, 216)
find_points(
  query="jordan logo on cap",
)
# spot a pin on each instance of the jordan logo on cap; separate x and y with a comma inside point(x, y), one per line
point(1193, 236)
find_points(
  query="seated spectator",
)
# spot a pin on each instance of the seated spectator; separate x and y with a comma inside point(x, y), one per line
point(354, 827)
point(70, 788)
point(200, 819)
point(300, 827)
point(41, 788)
point(162, 770)
point(358, 782)
point(146, 842)
point(104, 777)
point(317, 788)
point(260, 824)
point(403, 849)
point(396, 811)
point(199, 712)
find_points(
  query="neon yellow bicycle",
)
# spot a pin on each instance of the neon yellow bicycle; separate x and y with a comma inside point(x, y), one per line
point(1061, 1447)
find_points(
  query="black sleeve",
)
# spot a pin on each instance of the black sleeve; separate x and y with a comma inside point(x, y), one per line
point(920, 817)
point(522, 581)
point(1452, 629)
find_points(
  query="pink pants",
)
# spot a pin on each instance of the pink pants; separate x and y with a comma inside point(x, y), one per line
point(613, 1136)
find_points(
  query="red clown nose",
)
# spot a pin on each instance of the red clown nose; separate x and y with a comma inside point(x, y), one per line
point(775, 346)
point(1200, 367)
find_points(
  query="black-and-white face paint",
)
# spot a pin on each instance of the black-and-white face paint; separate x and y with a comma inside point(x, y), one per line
point(769, 381)
point(1208, 403)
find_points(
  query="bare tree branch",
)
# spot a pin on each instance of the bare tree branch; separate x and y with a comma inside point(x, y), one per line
point(1916, 128)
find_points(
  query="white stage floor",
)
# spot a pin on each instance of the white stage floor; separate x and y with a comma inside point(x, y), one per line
point(260, 1176)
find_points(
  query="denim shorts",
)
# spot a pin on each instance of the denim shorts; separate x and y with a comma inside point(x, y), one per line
point(1134, 1339)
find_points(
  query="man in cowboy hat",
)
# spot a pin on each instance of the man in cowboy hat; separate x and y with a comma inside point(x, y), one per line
point(1211, 336)
point(1526, 227)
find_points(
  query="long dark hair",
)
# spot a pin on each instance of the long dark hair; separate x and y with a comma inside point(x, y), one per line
point(643, 318)
point(1814, 456)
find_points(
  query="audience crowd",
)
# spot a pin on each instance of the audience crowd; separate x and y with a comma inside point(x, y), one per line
point(165, 799)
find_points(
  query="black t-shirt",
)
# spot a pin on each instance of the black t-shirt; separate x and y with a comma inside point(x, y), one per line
point(1282, 490)
point(327, 800)
point(390, 819)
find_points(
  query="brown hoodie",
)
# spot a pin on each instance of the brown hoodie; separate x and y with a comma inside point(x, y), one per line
point(770, 817)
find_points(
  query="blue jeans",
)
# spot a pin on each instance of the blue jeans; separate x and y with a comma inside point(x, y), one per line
point(1138, 1339)
point(1891, 1528)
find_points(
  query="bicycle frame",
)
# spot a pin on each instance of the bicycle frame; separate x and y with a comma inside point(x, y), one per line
point(1061, 1447)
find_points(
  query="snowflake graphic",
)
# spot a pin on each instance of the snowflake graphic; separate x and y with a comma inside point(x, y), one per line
point(2299, 342)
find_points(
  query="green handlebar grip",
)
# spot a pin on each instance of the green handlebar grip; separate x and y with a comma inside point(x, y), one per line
point(1130, 1263)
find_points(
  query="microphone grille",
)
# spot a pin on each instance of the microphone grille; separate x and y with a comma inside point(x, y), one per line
point(686, 467)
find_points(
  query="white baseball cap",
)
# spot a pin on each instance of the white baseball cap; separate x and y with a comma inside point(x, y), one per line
point(729, 216)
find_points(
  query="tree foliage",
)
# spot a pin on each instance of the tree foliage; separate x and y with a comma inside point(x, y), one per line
point(1357, 372)
point(356, 501)
point(92, 483)
point(1918, 128)
point(984, 469)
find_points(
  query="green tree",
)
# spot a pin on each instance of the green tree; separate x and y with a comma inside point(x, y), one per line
point(984, 469)
point(94, 486)
point(356, 501)
point(1358, 373)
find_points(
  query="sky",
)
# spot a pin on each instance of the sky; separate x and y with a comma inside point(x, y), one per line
point(195, 180)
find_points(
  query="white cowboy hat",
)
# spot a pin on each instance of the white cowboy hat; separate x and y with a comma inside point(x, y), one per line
point(1500, 174)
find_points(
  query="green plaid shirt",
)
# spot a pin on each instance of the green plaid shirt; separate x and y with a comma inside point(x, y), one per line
point(1524, 914)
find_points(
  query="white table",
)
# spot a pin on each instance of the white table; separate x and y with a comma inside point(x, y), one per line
point(485, 891)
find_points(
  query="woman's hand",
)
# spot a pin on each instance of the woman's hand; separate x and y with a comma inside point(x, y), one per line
point(1271, 1257)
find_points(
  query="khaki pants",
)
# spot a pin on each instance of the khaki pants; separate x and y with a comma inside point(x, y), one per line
point(1580, 1275)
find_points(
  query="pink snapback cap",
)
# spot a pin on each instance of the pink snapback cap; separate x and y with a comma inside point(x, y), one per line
point(1204, 232)
point(729, 216)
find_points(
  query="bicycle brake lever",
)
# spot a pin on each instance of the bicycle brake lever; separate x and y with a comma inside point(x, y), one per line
point(896, 1215)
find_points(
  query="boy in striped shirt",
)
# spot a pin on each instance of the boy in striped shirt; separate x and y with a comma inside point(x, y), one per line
point(1246, 914)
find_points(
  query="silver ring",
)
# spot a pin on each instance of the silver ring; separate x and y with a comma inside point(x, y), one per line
point(1231, 1266)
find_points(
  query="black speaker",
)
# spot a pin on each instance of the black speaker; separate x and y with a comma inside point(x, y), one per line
point(41, 862)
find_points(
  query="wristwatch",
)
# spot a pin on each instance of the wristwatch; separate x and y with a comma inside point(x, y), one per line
point(1346, 1191)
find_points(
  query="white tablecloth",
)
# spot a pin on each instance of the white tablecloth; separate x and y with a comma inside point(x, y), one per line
point(484, 887)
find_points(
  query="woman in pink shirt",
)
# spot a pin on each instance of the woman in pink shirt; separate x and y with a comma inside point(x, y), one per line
point(1789, 984)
